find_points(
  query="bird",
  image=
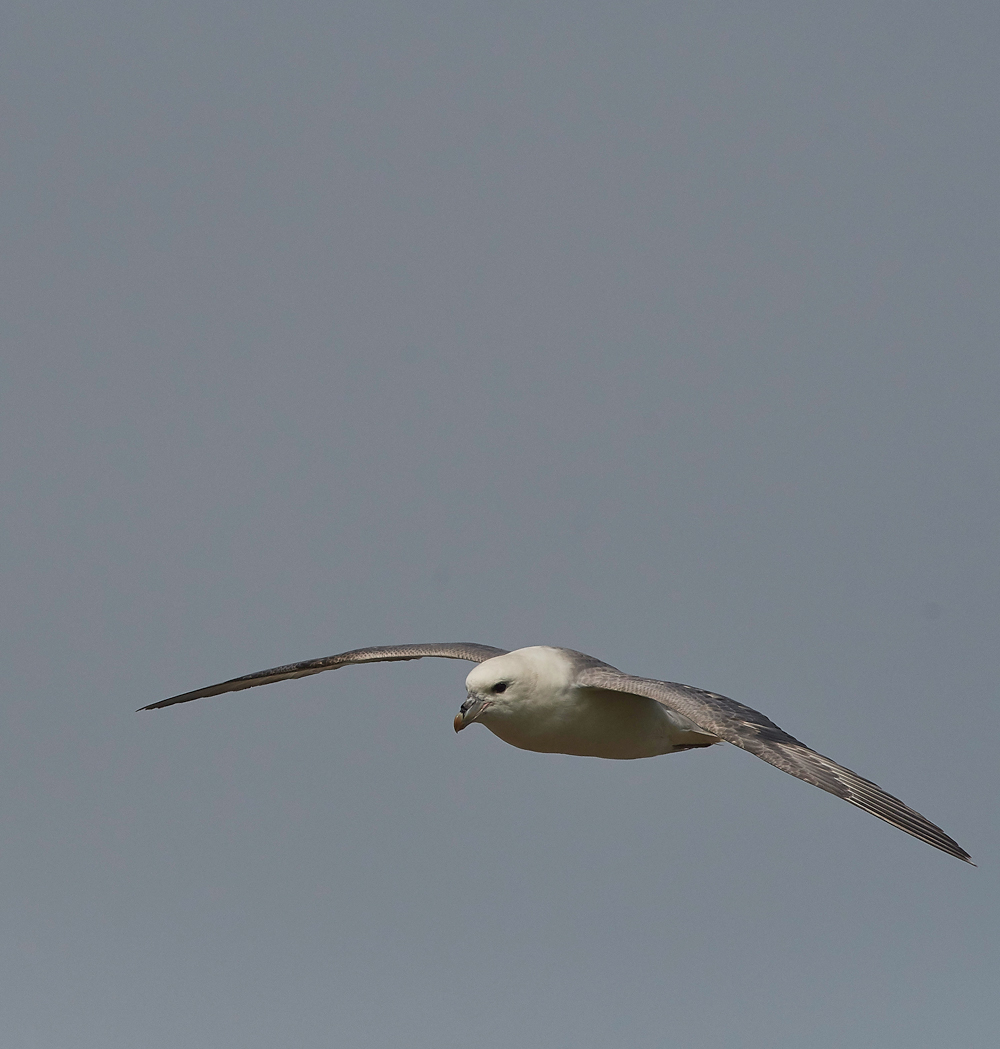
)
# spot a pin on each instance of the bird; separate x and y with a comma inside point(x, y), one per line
point(558, 700)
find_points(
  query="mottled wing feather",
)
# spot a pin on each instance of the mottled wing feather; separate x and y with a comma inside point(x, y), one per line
point(385, 654)
point(752, 731)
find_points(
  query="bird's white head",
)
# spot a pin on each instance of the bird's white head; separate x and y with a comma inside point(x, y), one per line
point(506, 684)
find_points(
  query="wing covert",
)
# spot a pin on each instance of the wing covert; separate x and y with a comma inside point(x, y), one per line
point(752, 731)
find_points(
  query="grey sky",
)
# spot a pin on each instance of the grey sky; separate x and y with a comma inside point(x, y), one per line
point(663, 332)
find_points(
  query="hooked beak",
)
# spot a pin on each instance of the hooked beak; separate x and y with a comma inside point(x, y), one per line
point(470, 711)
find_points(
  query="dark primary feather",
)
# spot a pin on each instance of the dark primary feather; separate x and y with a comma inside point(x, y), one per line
point(384, 654)
point(749, 729)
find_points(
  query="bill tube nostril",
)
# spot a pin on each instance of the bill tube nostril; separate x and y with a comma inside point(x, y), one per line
point(469, 711)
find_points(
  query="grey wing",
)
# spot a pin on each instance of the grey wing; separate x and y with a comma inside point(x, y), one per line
point(385, 654)
point(749, 729)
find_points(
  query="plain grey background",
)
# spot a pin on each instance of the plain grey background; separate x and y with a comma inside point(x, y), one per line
point(662, 331)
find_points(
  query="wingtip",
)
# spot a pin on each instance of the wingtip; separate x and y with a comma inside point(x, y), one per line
point(957, 851)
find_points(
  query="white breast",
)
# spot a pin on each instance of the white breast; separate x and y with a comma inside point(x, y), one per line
point(595, 723)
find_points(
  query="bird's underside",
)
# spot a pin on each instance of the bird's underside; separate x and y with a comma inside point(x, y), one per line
point(716, 715)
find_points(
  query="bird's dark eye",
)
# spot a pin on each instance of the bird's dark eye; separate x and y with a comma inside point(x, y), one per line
point(500, 686)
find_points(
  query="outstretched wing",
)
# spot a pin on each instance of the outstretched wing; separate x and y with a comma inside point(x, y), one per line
point(749, 729)
point(384, 654)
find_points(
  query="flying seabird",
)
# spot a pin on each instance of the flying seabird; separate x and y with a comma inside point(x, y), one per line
point(556, 700)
